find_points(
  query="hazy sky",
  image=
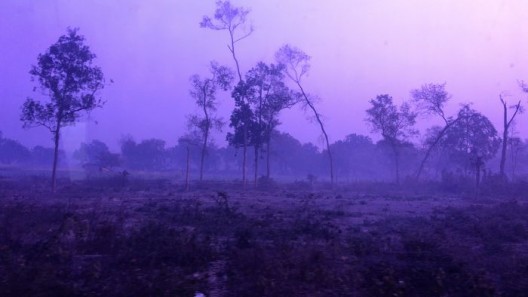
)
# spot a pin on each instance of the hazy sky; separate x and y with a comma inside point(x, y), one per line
point(359, 48)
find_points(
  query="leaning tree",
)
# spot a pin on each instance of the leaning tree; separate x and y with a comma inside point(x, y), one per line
point(233, 20)
point(67, 76)
point(297, 65)
point(430, 100)
point(203, 91)
point(394, 124)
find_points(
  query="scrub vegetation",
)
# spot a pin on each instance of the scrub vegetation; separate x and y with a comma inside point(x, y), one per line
point(438, 214)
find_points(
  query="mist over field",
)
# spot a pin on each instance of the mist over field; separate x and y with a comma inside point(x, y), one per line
point(263, 148)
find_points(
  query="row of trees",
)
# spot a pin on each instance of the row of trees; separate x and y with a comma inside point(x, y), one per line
point(67, 75)
point(13, 152)
point(357, 158)
point(468, 137)
point(469, 133)
point(259, 95)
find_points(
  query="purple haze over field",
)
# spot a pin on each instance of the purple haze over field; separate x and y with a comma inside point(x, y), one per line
point(359, 49)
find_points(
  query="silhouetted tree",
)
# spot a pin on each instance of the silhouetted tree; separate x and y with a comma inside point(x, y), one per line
point(266, 94)
point(395, 125)
point(247, 116)
point(471, 141)
point(97, 153)
point(233, 20)
point(149, 154)
point(243, 122)
point(277, 97)
point(297, 65)
point(203, 91)
point(430, 99)
point(67, 76)
point(293, 158)
point(355, 157)
point(517, 108)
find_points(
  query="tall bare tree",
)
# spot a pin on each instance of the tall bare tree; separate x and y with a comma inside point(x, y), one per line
point(517, 108)
point(67, 76)
point(233, 20)
point(297, 65)
point(430, 99)
point(203, 91)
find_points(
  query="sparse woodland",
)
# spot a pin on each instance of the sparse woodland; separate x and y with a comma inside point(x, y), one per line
point(438, 213)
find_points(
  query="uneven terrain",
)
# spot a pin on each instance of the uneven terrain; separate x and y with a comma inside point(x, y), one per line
point(116, 237)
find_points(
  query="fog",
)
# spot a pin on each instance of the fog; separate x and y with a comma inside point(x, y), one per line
point(263, 148)
point(359, 49)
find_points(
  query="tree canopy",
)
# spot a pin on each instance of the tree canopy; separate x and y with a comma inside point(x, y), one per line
point(66, 75)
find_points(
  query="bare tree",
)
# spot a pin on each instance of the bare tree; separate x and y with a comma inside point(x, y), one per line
point(189, 140)
point(517, 108)
point(203, 91)
point(66, 75)
point(233, 20)
point(430, 99)
point(395, 125)
point(297, 65)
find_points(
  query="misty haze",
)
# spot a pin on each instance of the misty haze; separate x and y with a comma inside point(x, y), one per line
point(263, 148)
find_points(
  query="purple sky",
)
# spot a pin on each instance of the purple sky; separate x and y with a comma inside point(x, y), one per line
point(359, 49)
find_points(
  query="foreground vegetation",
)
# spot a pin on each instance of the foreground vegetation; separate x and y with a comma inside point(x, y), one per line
point(150, 238)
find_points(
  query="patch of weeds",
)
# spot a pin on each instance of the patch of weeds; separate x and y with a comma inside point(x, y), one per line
point(70, 259)
point(289, 269)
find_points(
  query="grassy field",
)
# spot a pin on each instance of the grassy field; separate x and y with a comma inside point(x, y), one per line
point(149, 237)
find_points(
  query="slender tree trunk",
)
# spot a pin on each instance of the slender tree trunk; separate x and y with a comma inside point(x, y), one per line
point(477, 173)
point(507, 124)
point(244, 157)
point(244, 151)
point(202, 159)
point(256, 166)
point(55, 158)
point(268, 147)
point(232, 50)
point(504, 141)
point(206, 137)
point(396, 161)
point(187, 169)
point(432, 146)
point(318, 118)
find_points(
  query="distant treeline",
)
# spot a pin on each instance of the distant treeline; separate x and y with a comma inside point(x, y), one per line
point(357, 158)
point(465, 145)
